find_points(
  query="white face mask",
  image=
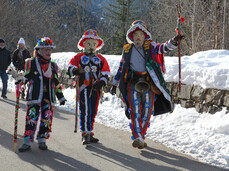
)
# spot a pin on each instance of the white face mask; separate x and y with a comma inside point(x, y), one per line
point(45, 52)
point(139, 38)
point(90, 45)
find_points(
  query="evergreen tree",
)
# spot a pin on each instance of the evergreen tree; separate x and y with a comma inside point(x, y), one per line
point(121, 14)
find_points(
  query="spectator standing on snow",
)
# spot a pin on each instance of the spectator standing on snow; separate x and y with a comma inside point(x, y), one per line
point(19, 57)
point(5, 61)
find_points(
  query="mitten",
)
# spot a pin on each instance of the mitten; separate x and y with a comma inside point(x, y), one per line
point(63, 102)
point(18, 82)
point(113, 90)
point(75, 71)
point(98, 85)
point(175, 39)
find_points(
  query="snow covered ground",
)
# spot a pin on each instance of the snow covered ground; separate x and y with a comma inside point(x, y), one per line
point(203, 136)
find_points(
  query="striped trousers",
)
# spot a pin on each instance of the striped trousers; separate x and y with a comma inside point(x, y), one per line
point(141, 107)
point(89, 101)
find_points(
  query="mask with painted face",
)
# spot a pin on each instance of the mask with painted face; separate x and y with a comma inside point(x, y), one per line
point(90, 41)
point(138, 37)
point(90, 45)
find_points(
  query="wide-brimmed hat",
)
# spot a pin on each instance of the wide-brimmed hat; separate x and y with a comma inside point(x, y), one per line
point(137, 25)
point(90, 34)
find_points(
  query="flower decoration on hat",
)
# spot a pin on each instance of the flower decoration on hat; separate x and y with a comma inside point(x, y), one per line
point(44, 42)
point(137, 25)
point(90, 34)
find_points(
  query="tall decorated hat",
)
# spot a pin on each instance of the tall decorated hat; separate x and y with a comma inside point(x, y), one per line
point(137, 25)
point(90, 34)
point(44, 42)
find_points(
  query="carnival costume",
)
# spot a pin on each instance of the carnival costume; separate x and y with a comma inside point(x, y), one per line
point(43, 85)
point(93, 76)
point(145, 63)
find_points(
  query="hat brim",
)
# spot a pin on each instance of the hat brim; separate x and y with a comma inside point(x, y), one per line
point(130, 32)
point(39, 47)
point(84, 38)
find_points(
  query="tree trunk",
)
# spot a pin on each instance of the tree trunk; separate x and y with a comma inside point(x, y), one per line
point(216, 25)
point(83, 17)
point(78, 16)
point(123, 20)
point(224, 23)
point(193, 26)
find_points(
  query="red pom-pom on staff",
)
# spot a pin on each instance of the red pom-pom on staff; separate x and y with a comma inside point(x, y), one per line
point(182, 19)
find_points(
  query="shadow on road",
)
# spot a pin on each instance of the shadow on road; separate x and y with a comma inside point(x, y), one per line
point(132, 163)
point(176, 160)
point(126, 161)
point(22, 105)
point(44, 159)
point(58, 113)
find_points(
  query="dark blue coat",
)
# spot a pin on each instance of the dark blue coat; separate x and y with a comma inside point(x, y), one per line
point(5, 59)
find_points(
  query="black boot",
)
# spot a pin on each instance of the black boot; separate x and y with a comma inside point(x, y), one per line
point(93, 139)
point(4, 96)
point(138, 143)
point(24, 148)
point(86, 138)
point(42, 146)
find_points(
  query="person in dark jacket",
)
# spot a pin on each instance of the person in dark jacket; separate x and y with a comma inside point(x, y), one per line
point(42, 76)
point(5, 61)
point(141, 79)
point(19, 57)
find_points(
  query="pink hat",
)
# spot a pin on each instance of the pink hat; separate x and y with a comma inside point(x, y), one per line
point(90, 34)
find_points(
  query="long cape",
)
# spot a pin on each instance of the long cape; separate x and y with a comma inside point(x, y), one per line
point(153, 65)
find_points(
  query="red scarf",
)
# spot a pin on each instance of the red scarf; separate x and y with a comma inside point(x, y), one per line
point(44, 64)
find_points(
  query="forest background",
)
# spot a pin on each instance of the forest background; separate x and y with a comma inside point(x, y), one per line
point(206, 23)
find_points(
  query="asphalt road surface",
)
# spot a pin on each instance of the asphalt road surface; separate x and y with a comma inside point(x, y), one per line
point(66, 152)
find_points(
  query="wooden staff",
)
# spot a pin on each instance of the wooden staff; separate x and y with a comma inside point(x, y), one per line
point(16, 116)
point(179, 21)
point(77, 103)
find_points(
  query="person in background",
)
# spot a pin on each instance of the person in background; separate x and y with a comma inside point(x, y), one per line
point(42, 76)
point(93, 71)
point(5, 61)
point(19, 57)
point(141, 81)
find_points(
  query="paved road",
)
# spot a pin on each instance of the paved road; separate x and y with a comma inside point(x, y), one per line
point(66, 151)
